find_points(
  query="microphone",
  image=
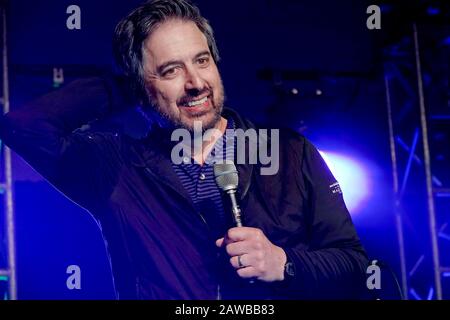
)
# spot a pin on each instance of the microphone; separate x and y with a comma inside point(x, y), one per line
point(227, 179)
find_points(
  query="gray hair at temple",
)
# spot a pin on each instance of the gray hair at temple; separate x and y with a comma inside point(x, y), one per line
point(132, 31)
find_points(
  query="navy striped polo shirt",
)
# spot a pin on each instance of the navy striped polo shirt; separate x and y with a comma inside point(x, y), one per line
point(199, 182)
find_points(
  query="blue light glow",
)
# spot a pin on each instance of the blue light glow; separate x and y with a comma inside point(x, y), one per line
point(352, 177)
point(433, 11)
point(447, 41)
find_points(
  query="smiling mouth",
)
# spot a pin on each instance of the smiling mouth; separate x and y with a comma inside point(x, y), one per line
point(196, 103)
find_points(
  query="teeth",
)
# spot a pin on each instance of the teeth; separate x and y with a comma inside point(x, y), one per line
point(197, 102)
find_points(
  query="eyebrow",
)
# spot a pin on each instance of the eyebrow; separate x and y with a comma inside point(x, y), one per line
point(163, 66)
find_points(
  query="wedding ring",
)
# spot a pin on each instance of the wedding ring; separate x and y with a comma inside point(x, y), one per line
point(240, 264)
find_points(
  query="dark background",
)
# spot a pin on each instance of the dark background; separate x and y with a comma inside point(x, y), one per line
point(267, 48)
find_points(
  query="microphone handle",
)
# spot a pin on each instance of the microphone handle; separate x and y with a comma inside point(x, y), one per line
point(235, 208)
point(237, 215)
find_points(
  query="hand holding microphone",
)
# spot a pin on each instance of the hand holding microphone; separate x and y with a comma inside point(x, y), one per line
point(252, 254)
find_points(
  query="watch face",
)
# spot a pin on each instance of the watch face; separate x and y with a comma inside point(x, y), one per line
point(289, 269)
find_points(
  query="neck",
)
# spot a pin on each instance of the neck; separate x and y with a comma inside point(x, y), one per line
point(207, 144)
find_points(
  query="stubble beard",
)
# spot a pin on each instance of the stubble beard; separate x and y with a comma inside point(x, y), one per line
point(177, 119)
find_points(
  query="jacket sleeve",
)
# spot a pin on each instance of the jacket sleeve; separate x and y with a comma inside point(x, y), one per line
point(333, 263)
point(45, 133)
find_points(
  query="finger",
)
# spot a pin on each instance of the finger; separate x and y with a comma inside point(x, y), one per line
point(219, 242)
point(244, 259)
point(241, 233)
point(239, 248)
point(224, 241)
point(248, 272)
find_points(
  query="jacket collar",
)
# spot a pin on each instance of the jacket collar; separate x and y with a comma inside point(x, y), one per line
point(153, 154)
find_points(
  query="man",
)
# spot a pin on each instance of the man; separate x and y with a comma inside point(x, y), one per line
point(168, 229)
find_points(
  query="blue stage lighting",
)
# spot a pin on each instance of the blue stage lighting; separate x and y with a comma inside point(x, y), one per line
point(352, 177)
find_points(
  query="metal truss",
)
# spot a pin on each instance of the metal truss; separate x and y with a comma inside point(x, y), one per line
point(8, 271)
point(422, 269)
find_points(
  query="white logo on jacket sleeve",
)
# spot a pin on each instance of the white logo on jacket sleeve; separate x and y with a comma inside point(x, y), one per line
point(336, 188)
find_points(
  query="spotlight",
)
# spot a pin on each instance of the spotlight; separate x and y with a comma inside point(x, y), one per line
point(352, 177)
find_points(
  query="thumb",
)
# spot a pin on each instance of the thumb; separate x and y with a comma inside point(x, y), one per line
point(219, 242)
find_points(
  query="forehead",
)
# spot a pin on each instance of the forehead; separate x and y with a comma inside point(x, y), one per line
point(174, 39)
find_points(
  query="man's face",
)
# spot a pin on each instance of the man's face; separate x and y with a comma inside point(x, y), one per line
point(181, 76)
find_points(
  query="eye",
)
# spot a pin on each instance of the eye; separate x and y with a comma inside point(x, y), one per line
point(171, 72)
point(203, 61)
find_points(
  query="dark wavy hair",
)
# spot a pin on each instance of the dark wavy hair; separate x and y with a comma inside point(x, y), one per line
point(131, 32)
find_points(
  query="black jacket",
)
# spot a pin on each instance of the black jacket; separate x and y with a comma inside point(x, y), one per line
point(160, 247)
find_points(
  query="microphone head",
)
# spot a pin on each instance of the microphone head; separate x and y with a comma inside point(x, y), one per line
point(226, 175)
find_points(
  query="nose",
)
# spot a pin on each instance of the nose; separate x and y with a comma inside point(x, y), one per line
point(194, 80)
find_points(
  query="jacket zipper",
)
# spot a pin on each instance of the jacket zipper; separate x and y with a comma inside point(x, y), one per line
point(219, 296)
